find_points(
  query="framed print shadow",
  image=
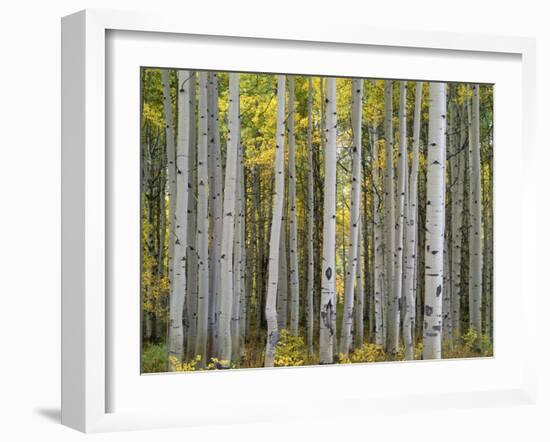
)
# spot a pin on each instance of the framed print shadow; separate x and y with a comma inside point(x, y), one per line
point(261, 215)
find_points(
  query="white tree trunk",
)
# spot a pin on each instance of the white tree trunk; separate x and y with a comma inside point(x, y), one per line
point(238, 257)
point(293, 234)
point(395, 301)
point(216, 207)
point(310, 211)
point(379, 280)
point(282, 285)
point(243, 301)
point(171, 166)
point(273, 269)
point(202, 222)
point(457, 217)
point(389, 209)
point(447, 294)
point(328, 292)
point(360, 292)
point(178, 294)
point(476, 251)
point(355, 206)
point(410, 246)
point(192, 264)
point(226, 258)
point(435, 222)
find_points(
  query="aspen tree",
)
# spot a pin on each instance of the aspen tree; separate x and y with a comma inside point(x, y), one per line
point(355, 206)
point(273, 269)
point(411, 226)
point(379, 279)
point(395, 300)
point(458, 217)
point(237, 253)
point(435, 222)
point(310, 211)
point(202, 222)
point(228, 310)
point(242, 255)
point(293, 225)
point(476, 251)
point(216, 208)
point(389, 208)
point(171, 167)
point(360, 293)
point(192, 264)
point(282, 285)
point(178, 294)
point(328, 292)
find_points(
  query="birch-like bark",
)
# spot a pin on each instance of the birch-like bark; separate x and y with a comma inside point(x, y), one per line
point(293, 233)
point(447, 317)
point(457, 217)
point(237, 260)
point(411, 226)
point(202, 222)
point(216, 208)
point(241, 253)
point(192, 264)
point(282, 285)
point(354, 226)
point(328, 292)
point(379, 280)
point(435, 222)
point(273, 270)
point(360, 292)
point(171, 165)
point(227, 315)
point(395, 301)
point(389, 209)
point(310, 210)
point(178, 294)
point(476, 252)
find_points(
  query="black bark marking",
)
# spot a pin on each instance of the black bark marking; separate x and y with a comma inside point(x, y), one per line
point(428, 310)
point(328, 273)
point(438, 290)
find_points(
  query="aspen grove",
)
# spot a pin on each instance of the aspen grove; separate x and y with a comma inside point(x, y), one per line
point(294, 220)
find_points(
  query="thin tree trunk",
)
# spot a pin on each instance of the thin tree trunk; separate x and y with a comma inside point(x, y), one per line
point(293, 234)
point(389, 204)
point(282, 285)
point(271, 300)
point(476, 252)
point(310, 208)
point(192, 263)
point(216, 207)
point(435, 222)
point(228, 311)
point(171, 163)
point(354, 226)
point(394, 311)
point(328, 292)
point(379, 279)
point(178, 294)
point(242, 268)
point(202, 223)
point(457, 217)
point(411, 246)
point(360, 293)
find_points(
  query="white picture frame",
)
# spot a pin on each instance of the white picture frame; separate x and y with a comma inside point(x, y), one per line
point(87, 319)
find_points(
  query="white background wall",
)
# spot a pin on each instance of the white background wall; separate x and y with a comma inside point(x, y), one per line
point(30, 215)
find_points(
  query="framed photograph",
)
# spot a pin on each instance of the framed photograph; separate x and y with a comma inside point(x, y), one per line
point(289, 219)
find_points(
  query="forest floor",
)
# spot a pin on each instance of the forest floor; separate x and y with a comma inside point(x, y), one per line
point(291, 352)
